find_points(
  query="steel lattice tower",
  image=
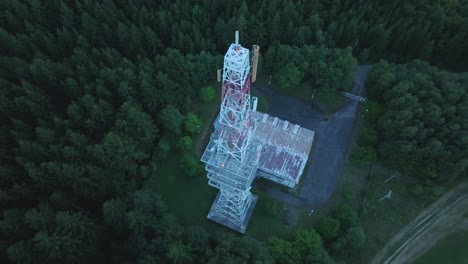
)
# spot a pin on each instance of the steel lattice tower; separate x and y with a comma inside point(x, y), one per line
point(232, 154)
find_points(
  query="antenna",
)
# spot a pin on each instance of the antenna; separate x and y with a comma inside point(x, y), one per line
point(230, 160)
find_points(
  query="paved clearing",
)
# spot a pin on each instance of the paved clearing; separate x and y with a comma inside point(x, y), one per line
point(444, 217)
point(332, 140)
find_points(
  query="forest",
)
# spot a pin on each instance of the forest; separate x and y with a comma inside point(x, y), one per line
point(94, 94)
point(423, 123)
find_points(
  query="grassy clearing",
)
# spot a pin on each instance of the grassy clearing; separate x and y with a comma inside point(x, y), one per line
point(451, 249)
point(188, 198)
point(267, 219)
point(382, 217)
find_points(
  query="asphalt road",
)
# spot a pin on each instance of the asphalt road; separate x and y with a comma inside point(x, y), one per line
point(331, 142)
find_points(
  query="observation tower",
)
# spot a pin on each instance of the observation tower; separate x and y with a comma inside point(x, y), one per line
point(232, 154)
point(247, 143)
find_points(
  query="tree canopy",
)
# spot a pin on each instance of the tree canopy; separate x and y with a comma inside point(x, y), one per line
point(424, 119)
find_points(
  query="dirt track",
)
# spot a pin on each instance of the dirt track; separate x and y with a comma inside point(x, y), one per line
point(444, 217)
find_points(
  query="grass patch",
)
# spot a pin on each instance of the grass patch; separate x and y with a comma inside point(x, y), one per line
point(267, 219)
point(451, 249)
point(189, 198)
point(328, 103)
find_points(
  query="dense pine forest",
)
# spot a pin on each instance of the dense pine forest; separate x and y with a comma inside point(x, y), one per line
point(423, 123)
point(95, 93)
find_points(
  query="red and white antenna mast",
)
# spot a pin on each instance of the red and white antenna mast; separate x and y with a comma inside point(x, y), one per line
point(231, 157)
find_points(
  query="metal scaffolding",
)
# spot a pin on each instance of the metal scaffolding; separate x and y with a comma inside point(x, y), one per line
point(231, 157)
point(247, 143)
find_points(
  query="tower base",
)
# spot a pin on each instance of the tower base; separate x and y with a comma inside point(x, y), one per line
point(226, 222)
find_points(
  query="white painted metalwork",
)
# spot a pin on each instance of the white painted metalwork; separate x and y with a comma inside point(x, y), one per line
point(254, 103)
point(231, 157)
point(354, 97)
point(241, 149)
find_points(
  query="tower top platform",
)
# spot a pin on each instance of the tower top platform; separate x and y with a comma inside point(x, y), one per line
point(236, 57)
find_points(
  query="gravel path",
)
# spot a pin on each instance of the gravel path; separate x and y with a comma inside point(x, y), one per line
point(332, 140)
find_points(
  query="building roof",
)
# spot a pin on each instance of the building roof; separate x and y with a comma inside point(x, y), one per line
point(286, 146)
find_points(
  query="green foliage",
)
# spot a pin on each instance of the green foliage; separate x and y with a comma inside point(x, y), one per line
point(171, 120)
point(208, 94)
point(58, 247)
point(284, 251)
point(21, 252)
point(305, 248)
point(348, 192)
point(185, 143)
point(332, 70)
point(162, 150)
point(191, 165)
point(329, 70)
point(353, 239)
point(328, 228)
point(373, 111)
point(114, 213)
point(192, 123)
point(422, 113)
point(356, 237)
point(139, 221)
point(197, 236)
point(379, 80)
point(346, 216)
point(363, 154)
point(417, 189)
point(234, 249)
point(273, 207)
point(39, 218)
point(367, 137)
point(307, 241)
point(319, 256)
point(73, 237)
point(179, 253)
point(288, 77)
point(11, 224)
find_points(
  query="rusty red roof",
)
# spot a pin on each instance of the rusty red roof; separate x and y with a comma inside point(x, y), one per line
point(286, 146)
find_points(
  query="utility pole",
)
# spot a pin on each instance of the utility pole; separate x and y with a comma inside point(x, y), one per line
point(313, 94)
point(394, 174)
point(386, 196)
